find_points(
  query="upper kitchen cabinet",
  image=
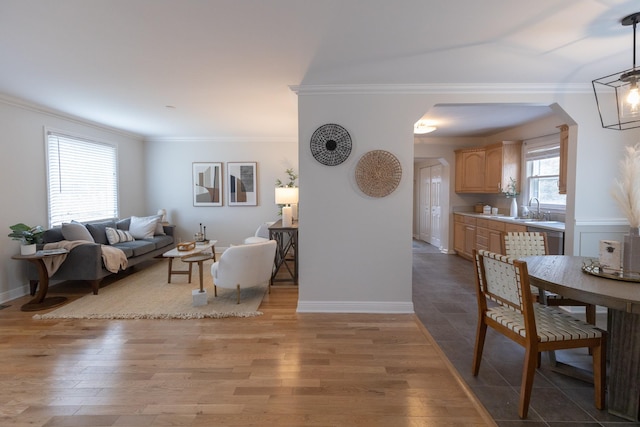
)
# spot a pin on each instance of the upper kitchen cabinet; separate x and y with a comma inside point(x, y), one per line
point(470, 170)
point(488, 169)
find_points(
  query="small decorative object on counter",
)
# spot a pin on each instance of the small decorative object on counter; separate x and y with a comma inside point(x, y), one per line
point(513, 211)
point(486, 210)
point(610, 256)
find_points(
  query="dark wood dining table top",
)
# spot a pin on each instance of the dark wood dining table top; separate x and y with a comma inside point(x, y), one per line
point(563, 274)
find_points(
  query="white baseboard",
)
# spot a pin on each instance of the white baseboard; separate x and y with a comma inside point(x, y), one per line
point(14, 293)
point(355, 307)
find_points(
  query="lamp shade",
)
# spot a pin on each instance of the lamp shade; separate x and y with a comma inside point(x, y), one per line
point(618, 94)
point(286, 195)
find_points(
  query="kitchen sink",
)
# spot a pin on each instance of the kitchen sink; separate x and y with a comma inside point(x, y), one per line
point(536, 221)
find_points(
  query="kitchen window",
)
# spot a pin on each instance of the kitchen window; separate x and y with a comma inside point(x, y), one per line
point(82, 179)
point(542, 168)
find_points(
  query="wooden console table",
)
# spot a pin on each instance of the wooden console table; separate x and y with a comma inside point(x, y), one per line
point(287, 250)
point(41, 302)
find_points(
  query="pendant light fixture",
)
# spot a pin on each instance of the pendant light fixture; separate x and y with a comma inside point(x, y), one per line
point(617, 95)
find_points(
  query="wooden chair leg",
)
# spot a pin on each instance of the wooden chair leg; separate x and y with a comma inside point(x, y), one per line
point(528, 373)
point(477, 353)
point(238, 292)
point(599, 372)
point(215, 291)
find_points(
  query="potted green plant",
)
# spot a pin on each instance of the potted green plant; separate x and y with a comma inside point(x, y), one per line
point(28, 236)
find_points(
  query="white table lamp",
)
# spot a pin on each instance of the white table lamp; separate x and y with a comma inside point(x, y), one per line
point(286, 196)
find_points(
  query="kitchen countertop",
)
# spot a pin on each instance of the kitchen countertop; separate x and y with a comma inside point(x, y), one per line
point(548, 225)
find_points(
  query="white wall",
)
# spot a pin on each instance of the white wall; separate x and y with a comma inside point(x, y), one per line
point(356, 251)
point(169, 184)
point(23, 174)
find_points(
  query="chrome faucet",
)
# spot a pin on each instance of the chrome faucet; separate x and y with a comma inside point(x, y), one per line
point(537, 214)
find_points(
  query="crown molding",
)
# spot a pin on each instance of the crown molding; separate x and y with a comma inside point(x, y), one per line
point(41, 109)
point(442, 88)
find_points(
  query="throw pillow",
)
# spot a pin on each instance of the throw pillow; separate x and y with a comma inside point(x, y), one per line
point(76, 231)
point(116, 236)
point(97, 230)
point(143, 227)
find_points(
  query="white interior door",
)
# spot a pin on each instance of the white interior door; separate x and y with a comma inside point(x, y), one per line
point(425, 204)
point(435, 206)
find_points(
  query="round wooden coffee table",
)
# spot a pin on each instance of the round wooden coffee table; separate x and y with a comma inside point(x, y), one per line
point(197, 258)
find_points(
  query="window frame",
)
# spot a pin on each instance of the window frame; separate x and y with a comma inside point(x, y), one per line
point(112, 184)
point(553, 142)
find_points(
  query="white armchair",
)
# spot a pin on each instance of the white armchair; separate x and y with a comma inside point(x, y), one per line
point(261, 235)
point(244, 266)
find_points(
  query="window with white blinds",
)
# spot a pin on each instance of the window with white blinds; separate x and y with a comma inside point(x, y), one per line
point(542, 162)
point(82, 179)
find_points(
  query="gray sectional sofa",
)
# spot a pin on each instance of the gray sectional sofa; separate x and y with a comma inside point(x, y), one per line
point(84, 262)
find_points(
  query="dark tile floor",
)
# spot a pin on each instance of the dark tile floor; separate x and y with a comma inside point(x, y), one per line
point(445, 301)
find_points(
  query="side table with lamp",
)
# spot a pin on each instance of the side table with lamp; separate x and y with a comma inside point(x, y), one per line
point(285, 233)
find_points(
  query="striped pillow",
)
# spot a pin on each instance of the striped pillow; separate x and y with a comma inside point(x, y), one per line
point(116, 236)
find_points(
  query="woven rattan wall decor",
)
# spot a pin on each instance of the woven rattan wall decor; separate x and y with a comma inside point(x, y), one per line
point(378, 173)
point(331, 144)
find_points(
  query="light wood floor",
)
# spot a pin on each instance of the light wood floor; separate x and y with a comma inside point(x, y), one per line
point(279, 369)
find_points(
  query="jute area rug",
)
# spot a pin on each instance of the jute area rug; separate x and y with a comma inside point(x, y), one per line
point(145, 294)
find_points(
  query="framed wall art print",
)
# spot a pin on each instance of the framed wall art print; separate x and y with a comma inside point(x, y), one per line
point(207, 184)
point(242, 187)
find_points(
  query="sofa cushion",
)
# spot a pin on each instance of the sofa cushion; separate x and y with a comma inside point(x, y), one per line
point(128, 251)
point(116, 236)
point(160, 241)
point(98, 230)
point(137, 247)
point(123, 224)
point(143, 227)
point(52, 235)
point(76, 231)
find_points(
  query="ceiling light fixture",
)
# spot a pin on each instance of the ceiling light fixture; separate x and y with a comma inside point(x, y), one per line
point(423, 126)
point(617, 95)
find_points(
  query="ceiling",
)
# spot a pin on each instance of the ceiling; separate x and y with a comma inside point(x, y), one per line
point(223, 68)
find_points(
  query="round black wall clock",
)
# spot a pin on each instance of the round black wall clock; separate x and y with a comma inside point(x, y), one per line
point(331, 144)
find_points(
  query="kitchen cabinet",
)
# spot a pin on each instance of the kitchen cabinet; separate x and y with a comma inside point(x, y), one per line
point(490, 235)
point(471, 233)
point(464, 235)
point(470, 170)
point(488, 169)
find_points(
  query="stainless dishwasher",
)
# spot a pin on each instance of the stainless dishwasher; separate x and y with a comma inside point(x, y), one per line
point(555, 239)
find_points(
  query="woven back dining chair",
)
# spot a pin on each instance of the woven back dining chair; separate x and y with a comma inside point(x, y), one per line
point(523, 244)
point(505, 304)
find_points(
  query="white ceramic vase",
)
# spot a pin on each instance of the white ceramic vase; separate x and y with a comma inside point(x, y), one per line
point(513, 212)
point(28, 249)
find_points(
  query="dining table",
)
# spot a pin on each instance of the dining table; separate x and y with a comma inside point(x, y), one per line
point(579, 278)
